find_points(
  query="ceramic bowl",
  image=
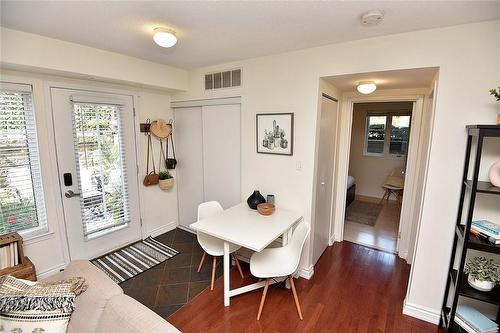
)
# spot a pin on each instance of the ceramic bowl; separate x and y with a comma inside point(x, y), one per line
point(266, 209)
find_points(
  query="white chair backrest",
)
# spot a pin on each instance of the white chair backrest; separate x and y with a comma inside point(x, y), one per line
point(208, 208)
point(296, 244)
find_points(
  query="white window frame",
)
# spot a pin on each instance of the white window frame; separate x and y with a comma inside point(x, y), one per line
point(41, 207)
point(387, 133)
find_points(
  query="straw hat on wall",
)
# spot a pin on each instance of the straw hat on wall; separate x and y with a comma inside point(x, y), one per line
point(160, 129)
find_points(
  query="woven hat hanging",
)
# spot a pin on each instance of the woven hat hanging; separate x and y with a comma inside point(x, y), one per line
point(160, 129)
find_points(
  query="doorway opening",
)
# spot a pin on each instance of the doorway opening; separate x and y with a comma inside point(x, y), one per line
point(380, 135)
point(394, 123)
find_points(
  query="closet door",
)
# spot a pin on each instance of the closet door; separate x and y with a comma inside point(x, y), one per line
point(221, 153)
point(188, 131)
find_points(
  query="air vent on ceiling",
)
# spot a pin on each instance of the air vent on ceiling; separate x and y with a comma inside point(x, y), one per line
point(225, 79)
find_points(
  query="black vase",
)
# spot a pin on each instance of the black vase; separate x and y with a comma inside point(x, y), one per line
point(255, 199)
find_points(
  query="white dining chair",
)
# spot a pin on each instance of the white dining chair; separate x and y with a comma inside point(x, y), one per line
point(211, 245)
point(279, 262)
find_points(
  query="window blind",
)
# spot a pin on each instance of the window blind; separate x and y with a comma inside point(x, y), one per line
point(22, 205)
point(101, 172)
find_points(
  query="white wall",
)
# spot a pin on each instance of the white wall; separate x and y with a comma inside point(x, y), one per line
point(159, 209)
point(371, 172)
point(467, 56)
point(21, 50)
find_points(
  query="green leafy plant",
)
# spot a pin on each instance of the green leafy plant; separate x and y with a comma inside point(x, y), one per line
point(164, 175)
point(495, 93)
point(483, 269)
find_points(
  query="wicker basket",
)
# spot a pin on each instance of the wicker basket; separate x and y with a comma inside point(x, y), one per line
point(166, 184)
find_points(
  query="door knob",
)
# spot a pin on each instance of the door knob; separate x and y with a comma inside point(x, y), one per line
point(71, 194)
point(322, 183)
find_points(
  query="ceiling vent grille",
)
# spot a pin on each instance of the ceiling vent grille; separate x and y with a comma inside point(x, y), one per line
point(225, 79)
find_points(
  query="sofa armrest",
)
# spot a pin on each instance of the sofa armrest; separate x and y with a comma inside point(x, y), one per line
point(123, 314)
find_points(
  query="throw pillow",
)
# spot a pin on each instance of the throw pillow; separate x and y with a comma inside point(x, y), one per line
point(31, 307)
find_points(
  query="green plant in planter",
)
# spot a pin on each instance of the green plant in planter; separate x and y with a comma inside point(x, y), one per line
point(483, 269)
point(164, 175)
point(495, 93)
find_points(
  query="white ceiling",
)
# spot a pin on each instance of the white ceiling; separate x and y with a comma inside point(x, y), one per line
point(397, 79)
point(212, 32)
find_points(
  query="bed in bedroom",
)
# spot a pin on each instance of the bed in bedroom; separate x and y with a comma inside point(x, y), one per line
point(351, 190)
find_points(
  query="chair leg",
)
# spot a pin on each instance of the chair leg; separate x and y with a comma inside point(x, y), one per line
point(214, 263)
point(238, 265)
point(296, 297)
point(263, 299)
point(201, 261)
point(383, 197)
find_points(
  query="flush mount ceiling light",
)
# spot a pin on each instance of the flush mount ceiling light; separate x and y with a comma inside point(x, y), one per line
point(164, 37)
point(366, 87)
point(372, 17)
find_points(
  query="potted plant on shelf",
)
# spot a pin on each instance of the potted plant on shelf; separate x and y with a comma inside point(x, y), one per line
point(484, 273)
point(166, 181)
point(495, 92)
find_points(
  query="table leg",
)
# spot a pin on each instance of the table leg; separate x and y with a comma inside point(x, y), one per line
point(226, 273)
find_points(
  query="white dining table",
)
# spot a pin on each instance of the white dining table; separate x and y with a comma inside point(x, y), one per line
point(245, 227)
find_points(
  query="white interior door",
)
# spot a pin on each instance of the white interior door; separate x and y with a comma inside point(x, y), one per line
point(221, 154)
point(96, 154)
point(188, 131)
point(324, 186)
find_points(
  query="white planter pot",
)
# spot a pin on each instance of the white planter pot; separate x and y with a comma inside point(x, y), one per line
point(480, 285)
point(494, 174)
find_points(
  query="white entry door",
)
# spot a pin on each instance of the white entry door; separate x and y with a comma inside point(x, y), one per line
point(324, 186)
point(96, 155)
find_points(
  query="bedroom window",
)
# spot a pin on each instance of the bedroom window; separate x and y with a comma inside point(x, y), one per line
point(387, 134)
point(375, 135)
point(22, 206)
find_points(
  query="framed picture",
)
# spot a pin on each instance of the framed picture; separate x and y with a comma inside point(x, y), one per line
point(275, 133)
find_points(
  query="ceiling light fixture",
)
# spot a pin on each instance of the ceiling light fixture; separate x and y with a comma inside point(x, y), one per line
point(366, 87)
point(372, 17)
point(164, 37)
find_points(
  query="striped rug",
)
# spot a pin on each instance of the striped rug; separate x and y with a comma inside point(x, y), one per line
point(129, 261)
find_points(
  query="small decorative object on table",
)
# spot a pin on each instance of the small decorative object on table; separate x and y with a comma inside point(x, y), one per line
point(270, 199)
point(484, 273)
point(166, 181)
point(494, 174)
point(496, 93)
point(255, 199)
point(266, 209)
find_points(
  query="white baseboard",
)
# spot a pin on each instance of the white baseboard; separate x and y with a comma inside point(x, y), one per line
point(306, 273)
point(161, 230)
point(51, 271)
point(186, 229)
point(421, 312)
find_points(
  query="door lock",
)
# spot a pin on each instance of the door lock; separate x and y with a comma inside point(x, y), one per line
point(71, 194)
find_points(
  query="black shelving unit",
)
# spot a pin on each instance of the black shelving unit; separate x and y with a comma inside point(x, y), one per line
point(457, 285)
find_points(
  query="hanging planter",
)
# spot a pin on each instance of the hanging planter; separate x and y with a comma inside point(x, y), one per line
point(166, 181)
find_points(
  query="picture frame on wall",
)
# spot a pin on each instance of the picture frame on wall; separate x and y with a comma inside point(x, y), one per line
point(275, 133)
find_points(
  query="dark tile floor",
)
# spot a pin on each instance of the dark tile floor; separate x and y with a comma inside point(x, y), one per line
point(168, 286)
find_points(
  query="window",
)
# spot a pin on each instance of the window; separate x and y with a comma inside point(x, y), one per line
point(22, 206)
point(387, 133)
point(400, 132)
point(375, 134)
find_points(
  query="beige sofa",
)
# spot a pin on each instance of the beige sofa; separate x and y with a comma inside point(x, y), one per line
point(104, 308)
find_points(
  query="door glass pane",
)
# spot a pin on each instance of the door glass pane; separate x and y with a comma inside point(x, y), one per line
point(100, 164)
point(400, 131)
point(375, 134)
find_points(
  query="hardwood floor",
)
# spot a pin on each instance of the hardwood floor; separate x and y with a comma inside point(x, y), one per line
point(354, 289)
point(383, 235)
